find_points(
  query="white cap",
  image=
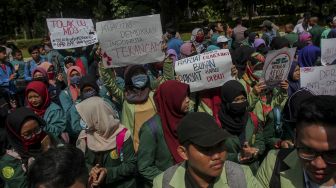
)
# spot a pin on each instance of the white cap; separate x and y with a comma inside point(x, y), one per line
point(222, 39)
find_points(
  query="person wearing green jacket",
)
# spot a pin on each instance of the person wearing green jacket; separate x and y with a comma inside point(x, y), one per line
point(202, 146)
point(27, 140)
point(312, 162)
point(137, 96)
point(107, 145)
point(261, 99)
point(247, 143)
point(38, 100)
point(158, 143)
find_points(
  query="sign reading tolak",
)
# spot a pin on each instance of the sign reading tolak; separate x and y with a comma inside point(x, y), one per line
point(205, 71)
point(71, 33)
point(128, 41)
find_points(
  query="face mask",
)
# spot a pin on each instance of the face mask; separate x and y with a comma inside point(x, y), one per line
point(82, 124)
point(258, 73)
point(35, 142)
point(51, 75)
point(75, 80)
point(263, 50)
point(238, 108)
point(199, 39)
point(89, 94)
point(140, 80)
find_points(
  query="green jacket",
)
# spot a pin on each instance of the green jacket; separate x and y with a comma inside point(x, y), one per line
point(255, 139)
point(153, 154)
point(279, 98)
point(55, 119)
point(316, 32)
point(292, 177)
point(12, 173)
point(120, 173)
point(178, 181)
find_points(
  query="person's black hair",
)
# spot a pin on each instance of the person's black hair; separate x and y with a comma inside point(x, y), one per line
point(16, 51)
point(317, 110)
point(247, 33)
point(306, 15)
point(239, 20)
point(171, 31)
point(33, 48)
point(279, 42)
point(58, 167)
point(329, 19)
point(2, 49)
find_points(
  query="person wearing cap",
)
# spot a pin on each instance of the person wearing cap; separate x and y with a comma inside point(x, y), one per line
point(269, 31)
point(173, 42)
point(202, 146)
point(222, 42)
point(312, 162)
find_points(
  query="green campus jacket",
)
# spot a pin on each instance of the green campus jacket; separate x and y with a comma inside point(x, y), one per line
point(255, 103)
point(55, 119)
point(255, 139)
point(178, 179)
point(153, 154)
point(291, 177)
point(12, 173)
point(120, 173)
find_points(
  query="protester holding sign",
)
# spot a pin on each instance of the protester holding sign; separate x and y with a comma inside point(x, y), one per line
point(261, 99)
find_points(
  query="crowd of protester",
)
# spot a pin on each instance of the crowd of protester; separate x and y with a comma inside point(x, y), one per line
point(66, 121)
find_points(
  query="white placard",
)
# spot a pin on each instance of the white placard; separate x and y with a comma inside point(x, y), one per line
point(128, 41)
point(71, 33)
point(320, 80)
point(277, 66)
point(205, 71)
point(328, 51)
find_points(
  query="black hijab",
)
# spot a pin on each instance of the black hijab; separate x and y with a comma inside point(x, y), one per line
point(232, 121)
point(240, 57)
point(15, 121)
point(279, 42)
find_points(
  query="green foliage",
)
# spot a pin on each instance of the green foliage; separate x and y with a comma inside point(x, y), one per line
point(27, 43)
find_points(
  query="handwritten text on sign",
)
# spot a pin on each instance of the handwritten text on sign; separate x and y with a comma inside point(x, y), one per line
point(328, 51)
point(205, 71)
point(71, 33)
point(277, 65)
point(321, 80)
point(131, 41)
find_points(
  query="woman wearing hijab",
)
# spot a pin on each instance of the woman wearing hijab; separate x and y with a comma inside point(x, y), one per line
point(260, 98)
point(283, 137)
point(308, 56)
point(27, 140)
point(70, 95)
point(260, 46)
point(294, 78)
point(107, 145)
point(37, 97)
point(247, 143)
point(187, 49)
point(240, 58)
point(197, 38)
point(158, 138)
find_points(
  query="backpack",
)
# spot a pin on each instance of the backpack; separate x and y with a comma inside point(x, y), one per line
point(234, 174)
point(279, 166)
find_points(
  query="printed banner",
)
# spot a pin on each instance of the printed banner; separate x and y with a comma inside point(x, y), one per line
point(277, 66)
point(328, 51)
point(320, 80)
point(131, 41)
point(205, 71)
point(71, 33)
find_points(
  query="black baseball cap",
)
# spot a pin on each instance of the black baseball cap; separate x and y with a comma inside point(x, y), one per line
point(200, 129)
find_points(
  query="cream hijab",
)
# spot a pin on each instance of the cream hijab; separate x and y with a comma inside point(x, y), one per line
point(103, 127)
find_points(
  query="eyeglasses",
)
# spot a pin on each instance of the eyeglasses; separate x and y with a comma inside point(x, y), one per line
point(32, 134)
point(310, 155)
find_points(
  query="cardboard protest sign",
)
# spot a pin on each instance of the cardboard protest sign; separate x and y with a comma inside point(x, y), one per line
point(205, 71)
point(328, 51)
point(71, 33)
point(130, 41)
point(277, 66)
point(320, 80)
